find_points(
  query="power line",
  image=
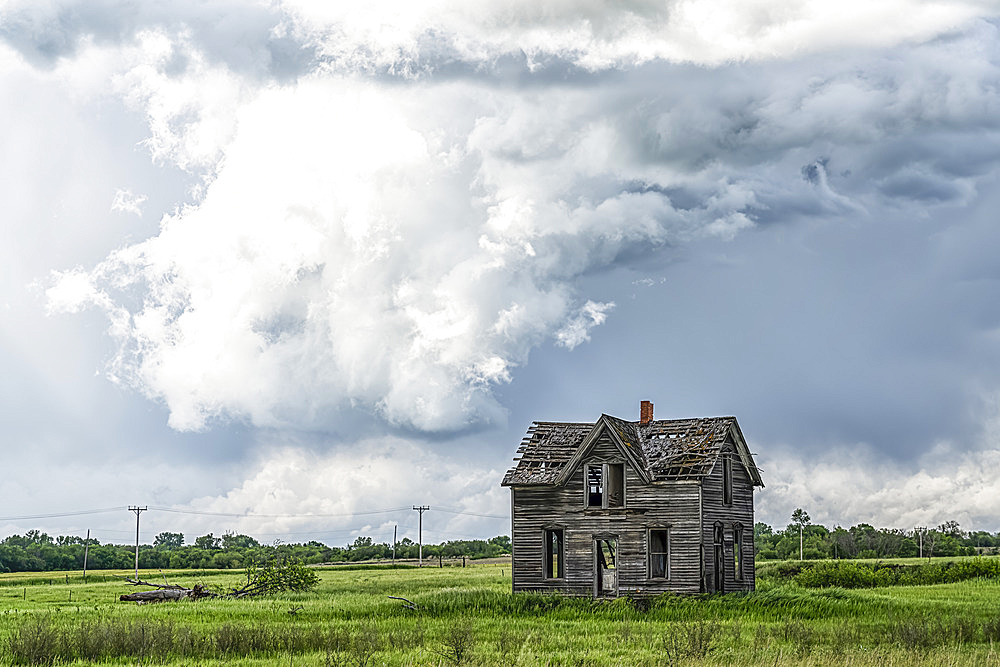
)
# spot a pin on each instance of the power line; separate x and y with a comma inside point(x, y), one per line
point(243, 515)
point(247, 515)
point(448, 533)
point(56, 515)
point(486, 516)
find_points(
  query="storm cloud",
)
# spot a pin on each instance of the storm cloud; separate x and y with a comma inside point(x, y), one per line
point(387, 222)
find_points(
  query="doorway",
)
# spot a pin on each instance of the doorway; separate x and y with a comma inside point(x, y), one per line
point(606, 567)
point(718, 559)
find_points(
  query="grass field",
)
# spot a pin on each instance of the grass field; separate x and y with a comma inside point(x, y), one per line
point(468, 616)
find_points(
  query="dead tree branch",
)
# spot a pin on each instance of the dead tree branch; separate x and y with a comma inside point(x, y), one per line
point(270, 578)
point(408, 605)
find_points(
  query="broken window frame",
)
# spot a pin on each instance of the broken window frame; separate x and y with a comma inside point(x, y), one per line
point(554, 553)
point(727, 479)
point(652, 572)
point(603, 472)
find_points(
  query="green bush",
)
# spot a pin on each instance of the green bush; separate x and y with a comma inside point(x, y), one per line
point(846, 574)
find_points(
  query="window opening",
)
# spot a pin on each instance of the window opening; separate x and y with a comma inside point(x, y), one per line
point(616, 485)
point(727, 479)
point(659, 554)
point(595, 486)
point(738, 551)
point(606, 485)
point(554, 551)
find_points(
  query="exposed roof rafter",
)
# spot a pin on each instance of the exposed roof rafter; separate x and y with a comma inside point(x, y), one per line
point(661, 450)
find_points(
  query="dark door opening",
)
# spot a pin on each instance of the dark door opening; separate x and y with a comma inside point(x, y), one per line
point(718, 559)
point(605, 567)
point(719, 572)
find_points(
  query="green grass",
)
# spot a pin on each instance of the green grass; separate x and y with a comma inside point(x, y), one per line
point(468, 616)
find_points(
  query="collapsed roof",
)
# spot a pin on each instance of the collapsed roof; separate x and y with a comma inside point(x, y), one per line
point(660, 450)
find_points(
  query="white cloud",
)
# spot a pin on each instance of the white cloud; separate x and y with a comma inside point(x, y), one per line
point(350, 483)
point(851, 485)
point(577, 330)
point(191, 112)
point(126, 202)
point(408, 37)
point(71, 291)
point(399, 248)
point(349, 252)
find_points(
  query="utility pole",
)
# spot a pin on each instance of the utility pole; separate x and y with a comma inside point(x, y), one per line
point(394, 543)
point(420, 533)
point(138, 510)
point(86, 548)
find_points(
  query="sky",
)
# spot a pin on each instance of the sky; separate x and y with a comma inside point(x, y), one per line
point(317, 263)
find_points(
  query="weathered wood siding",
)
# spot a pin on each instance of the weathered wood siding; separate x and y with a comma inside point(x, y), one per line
point(741, 511)
point(673, 505)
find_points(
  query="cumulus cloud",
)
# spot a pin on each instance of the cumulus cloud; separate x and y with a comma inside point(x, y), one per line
point(352, 254)
point(348, 486)
point(400, 247)
point(851, 484)
point(577, 330)
point(854, 485)
point(280, 39)
point(412, 38)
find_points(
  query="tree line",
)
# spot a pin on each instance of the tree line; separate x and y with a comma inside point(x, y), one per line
point(36, 551)
point(803, 539)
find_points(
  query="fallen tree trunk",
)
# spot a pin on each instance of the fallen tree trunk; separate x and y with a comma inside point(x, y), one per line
point(271, 578)
point(166, 593)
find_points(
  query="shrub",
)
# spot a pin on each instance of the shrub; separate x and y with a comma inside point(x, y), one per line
point(845, 574)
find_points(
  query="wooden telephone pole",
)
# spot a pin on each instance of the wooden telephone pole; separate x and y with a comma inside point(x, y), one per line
point(420, 531)
point(138, 510)
point(86, 549)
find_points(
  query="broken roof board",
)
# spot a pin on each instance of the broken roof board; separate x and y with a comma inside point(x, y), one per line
point(661, 450)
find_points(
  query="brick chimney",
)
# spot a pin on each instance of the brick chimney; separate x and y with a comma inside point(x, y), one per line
point(645, 412)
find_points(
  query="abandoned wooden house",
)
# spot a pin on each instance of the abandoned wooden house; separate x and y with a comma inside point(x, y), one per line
point(633, 507)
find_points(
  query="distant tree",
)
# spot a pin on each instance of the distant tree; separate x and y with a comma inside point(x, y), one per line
point(237, 541)
point(800, 517)
point(761, 533)
point(843, 543)
point(931, 537)
point(502, 541)
point(168, 541)
point(36, 537)
point(946, 545)
point(951, 529)
point(207, 542)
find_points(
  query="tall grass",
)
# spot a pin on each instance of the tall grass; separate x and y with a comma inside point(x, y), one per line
point(469, 617)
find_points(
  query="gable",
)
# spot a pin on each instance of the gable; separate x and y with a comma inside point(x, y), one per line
point(743, 454)
point(626, 446)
